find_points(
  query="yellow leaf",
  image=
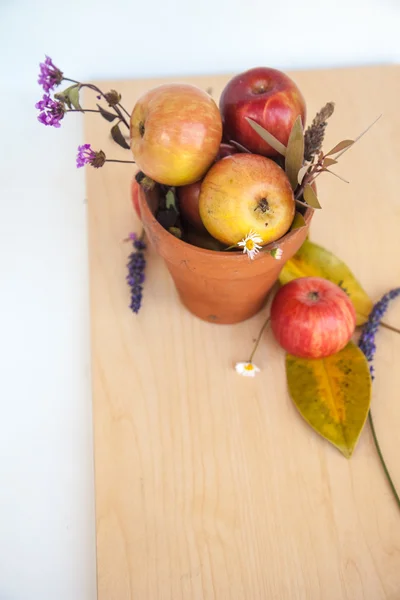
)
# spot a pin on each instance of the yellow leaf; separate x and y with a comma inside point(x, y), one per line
point(314, 261)
point(332, 394)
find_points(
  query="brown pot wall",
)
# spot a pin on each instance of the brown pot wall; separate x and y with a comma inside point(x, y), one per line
point(219, 287)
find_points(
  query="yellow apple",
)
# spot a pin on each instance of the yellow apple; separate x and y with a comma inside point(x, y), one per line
point(243, 193)
point(176, 130)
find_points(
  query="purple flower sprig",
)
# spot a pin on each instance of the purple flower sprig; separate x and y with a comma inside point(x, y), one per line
point(50, 76)
point(367, 339)
point(87, 156)
point(136, 266)
point(51, 111)
point(367, 344)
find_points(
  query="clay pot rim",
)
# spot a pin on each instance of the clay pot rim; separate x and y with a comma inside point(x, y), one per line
point(237, 256)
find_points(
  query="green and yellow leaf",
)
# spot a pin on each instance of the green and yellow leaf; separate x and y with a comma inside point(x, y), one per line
point(332, 394)
point(314, 261)
point(295, 152)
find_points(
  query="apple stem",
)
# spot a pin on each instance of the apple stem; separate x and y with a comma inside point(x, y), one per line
point(262, 205)
point(259, 338)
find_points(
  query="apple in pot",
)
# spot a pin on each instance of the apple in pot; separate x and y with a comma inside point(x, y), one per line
point(267, 96)
point(312, 317)
point(176, 131)
point(243, 193)
point(189, 194)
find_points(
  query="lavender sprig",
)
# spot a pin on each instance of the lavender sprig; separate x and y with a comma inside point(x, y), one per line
point(367, 339)
point(367, 345)
point(136, 266)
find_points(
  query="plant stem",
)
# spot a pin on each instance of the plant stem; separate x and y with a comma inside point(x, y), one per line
point(96, 89)
point(120, 161)
point(83, 110)
point(259, 338)
point(379, 451)
point(125, 111)
point(389, 327)
point(71, 80)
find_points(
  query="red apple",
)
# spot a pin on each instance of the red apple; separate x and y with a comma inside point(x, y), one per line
point(267, 96)
point(312, 317)
point(243, 193)
point(226, 150)
point(176, 131)
point(135, 186)
point(189, 194)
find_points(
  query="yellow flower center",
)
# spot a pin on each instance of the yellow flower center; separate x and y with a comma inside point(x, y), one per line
point(248, 367)
point(250, 245)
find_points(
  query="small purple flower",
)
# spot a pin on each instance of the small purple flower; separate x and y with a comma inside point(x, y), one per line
point(367, 339)
point(136, 266)
point(51, 112)
point(87, 156)
point(50, 76)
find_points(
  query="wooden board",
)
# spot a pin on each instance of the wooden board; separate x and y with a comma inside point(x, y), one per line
point(208, 485)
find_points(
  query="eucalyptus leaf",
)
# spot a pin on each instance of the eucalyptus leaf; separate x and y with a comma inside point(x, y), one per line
point(267, 137)
point(328, 162)
point(118, 137)
point(311, 197)
point(336, 175)
point(340, 146)
point(301, 173)
point(108, 116)
point(295, 152)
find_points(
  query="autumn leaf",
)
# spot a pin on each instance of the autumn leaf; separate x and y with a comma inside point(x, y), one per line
point(267, 137)
point(340, 146)
point(314, 261)
point(298, 221)
point(295, 152)
point(311, 197)
point(332, 394)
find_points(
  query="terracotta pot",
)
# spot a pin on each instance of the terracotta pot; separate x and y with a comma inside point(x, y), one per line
point(219, 287)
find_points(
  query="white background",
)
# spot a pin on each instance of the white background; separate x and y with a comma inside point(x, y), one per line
point(47, 534)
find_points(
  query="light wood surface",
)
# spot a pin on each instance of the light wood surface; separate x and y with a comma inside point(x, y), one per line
point(210, 486)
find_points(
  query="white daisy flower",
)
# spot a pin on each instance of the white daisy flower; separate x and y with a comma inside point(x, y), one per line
point(277, 253)
point(247, 369)
point(250, 244)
